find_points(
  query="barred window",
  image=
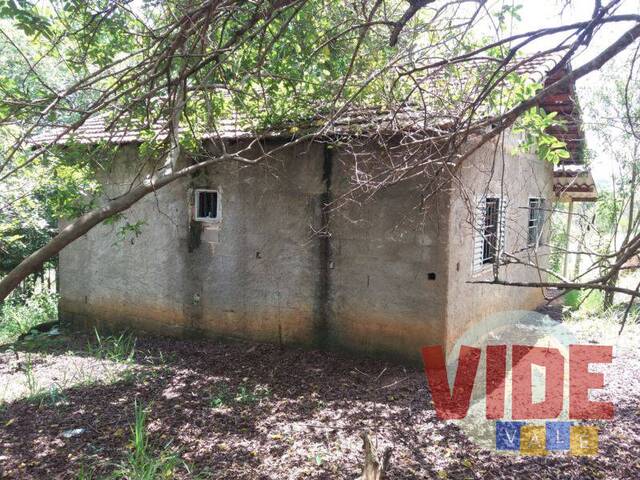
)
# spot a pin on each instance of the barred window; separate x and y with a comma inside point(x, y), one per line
point(536, 221)
point(490, 229)
point(207, 205)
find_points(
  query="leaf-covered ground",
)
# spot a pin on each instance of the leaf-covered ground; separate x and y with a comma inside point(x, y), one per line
point(252, 411)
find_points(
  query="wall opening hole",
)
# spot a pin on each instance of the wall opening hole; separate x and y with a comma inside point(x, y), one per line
point(431, 276)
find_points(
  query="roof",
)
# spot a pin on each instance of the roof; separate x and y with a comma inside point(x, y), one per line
point(572, 178)
point(565, 104)
point(370, 120)
point(96, 129)
point(574, 183)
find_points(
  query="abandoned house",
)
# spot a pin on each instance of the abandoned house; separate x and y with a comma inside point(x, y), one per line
point(250, 252)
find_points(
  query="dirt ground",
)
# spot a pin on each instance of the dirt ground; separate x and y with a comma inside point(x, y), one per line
point(253, 411)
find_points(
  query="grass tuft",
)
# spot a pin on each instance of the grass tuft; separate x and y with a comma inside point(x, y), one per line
point(117, 348)
point(51, 397)
point(224, 396)
point(143, 463)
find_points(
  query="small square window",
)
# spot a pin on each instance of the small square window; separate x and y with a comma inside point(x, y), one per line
point(207, 205)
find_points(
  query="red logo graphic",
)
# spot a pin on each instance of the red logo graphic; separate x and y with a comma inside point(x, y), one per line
point(453, 404)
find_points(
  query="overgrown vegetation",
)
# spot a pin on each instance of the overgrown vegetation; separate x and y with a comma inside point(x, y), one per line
point(586, 301)
point(145, 463)
point(586, 305)
point(300, 67)
point(18, 317)
point(222, 395)
point(117, 348)
point(172, 72)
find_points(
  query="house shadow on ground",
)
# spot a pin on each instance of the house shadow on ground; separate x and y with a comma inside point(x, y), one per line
point(252, 411)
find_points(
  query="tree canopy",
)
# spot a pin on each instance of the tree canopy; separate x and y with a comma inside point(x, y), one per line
point(174, 70)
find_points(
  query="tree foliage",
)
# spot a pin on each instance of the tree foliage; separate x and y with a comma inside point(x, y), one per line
point(174, 70)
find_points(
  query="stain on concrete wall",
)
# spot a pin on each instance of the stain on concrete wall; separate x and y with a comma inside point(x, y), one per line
point(281, 264)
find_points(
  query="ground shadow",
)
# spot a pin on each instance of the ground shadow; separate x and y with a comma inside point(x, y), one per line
point(254, 411)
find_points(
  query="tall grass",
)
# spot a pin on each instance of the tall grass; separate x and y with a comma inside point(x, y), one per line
point(117, 348)
point(143, 463)
point(17, 317)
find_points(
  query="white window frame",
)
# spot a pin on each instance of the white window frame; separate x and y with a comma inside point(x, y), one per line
point(196, 195)
point(540, 220)
point(478, 264)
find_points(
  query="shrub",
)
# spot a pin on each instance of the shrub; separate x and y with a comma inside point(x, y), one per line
point(585, 301)
point(593, 302)
point(18, 318)
point(572, 299)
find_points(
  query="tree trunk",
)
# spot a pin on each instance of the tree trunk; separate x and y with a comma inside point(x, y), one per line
point(374, 468)
point(86, 222)
point(607, 302)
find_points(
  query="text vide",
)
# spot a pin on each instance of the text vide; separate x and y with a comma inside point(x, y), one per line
point(514, 434)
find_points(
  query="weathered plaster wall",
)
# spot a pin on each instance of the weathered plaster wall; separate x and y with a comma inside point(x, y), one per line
point(389, 272)
point(104, 279)
point(516, 177)
point(263, 272)
point(255, 271)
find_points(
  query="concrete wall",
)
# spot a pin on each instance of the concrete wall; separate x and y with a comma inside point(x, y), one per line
point(494, 171)
point(263, 271)
point(107, 280)
point(389, 270)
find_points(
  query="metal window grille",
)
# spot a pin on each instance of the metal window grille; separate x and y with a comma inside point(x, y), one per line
point(207, 205)
point(491, 230)
point(536, 221)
